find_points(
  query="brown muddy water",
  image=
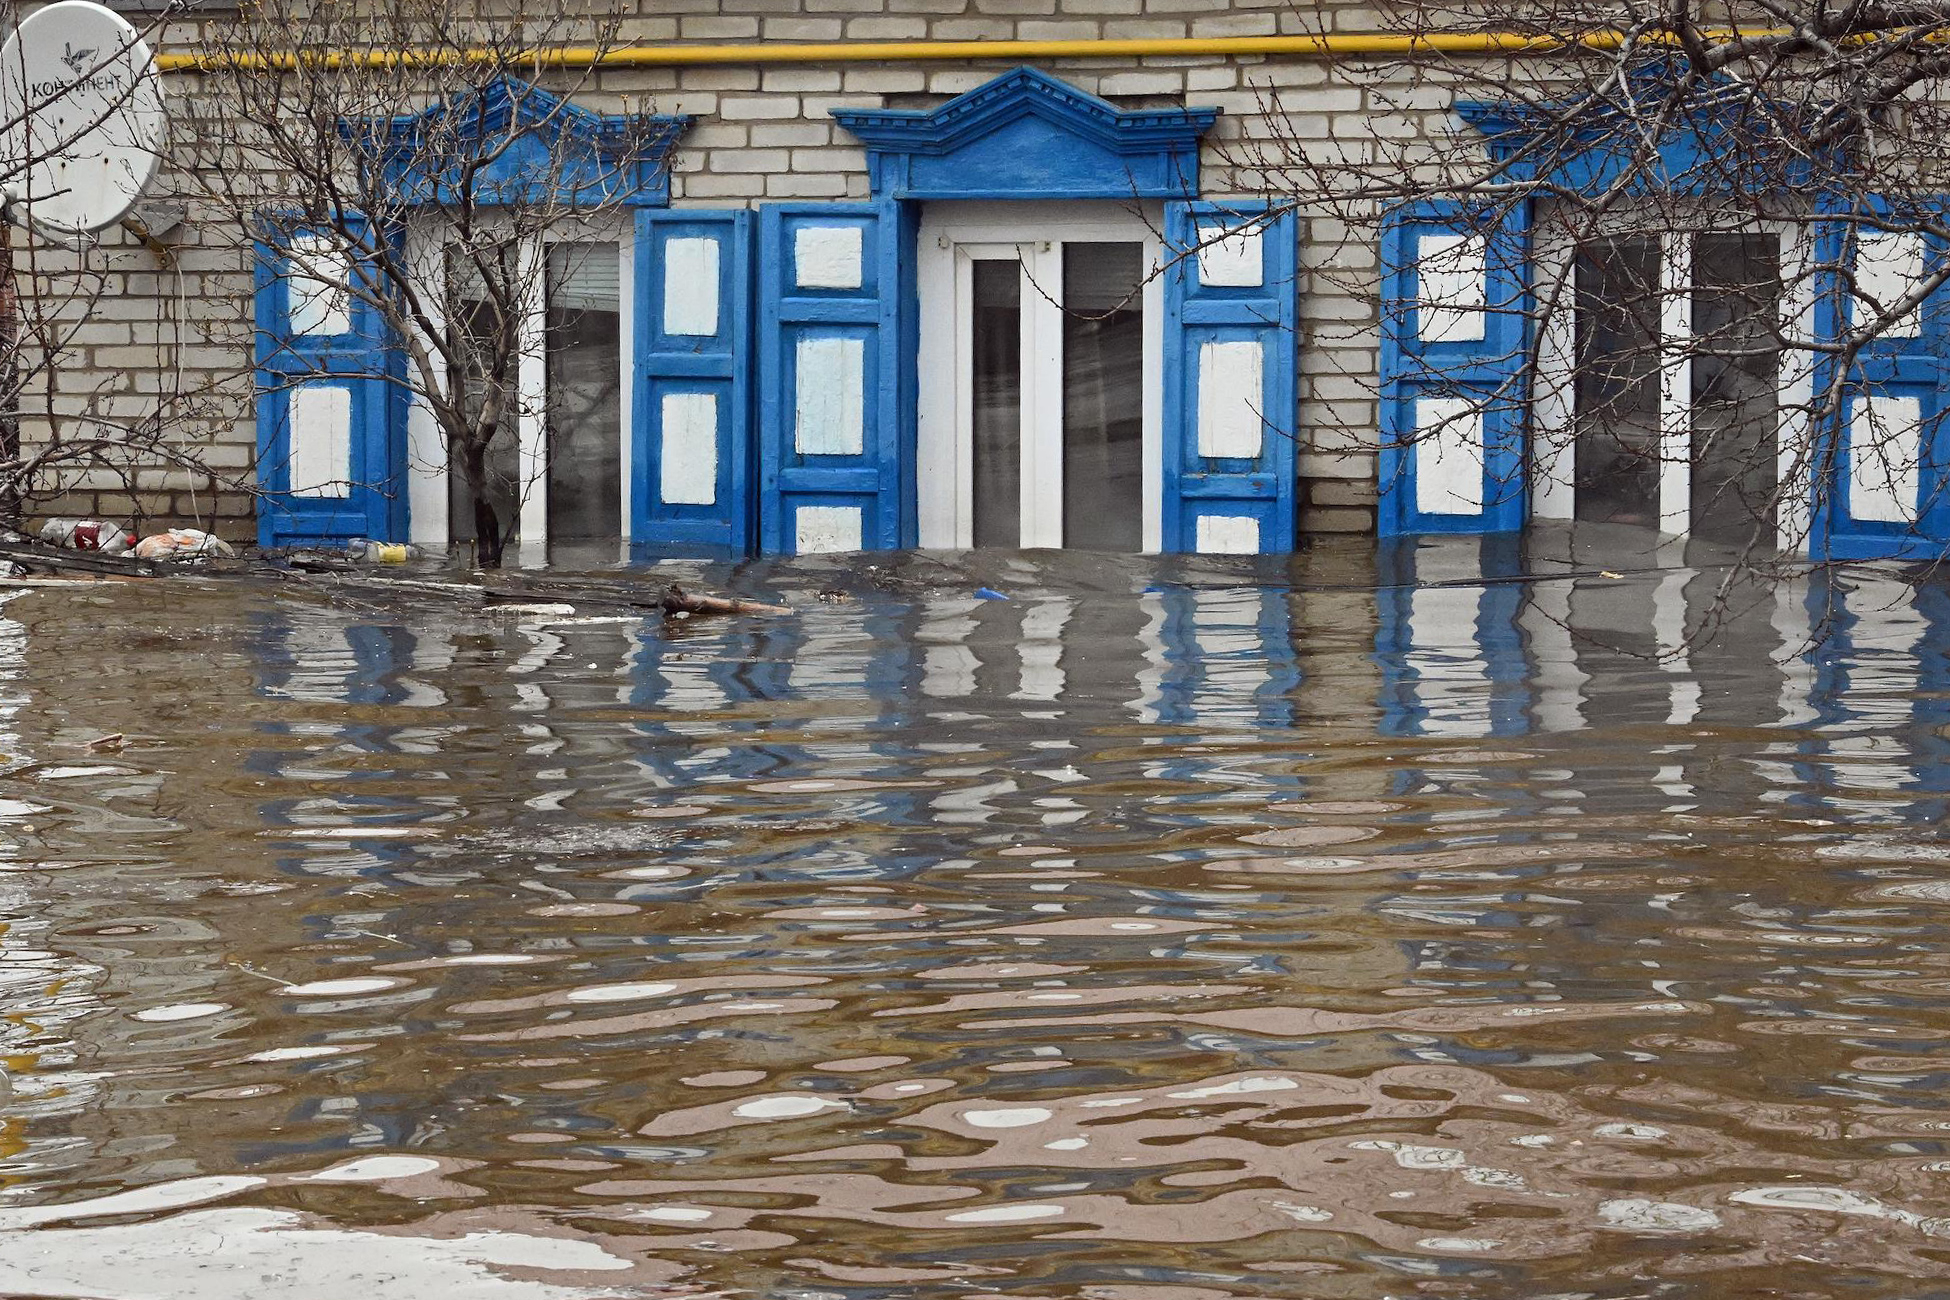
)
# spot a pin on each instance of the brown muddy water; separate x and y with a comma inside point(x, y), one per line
point(1170, 931)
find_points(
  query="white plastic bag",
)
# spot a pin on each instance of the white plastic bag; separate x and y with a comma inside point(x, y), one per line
point(181, 544)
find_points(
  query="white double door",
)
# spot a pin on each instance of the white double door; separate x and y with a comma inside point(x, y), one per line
point(1040, 393)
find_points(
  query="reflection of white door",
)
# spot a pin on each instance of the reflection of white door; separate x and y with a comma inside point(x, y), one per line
point(1040, 394)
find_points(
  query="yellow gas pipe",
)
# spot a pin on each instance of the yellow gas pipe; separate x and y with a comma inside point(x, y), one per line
point(1338, 46)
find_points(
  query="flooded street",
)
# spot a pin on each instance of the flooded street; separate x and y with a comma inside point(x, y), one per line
point(1324, 926)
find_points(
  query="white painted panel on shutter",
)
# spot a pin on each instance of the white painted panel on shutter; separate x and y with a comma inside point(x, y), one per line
point(689, 454)
point(1883, 448)
point(827, 257)
point(320, 305)
point(1888, 268)
point(1228, 535)
point(818, 529)
point(321, 440)
point(829, 396)
point(1448, 456)
point(1230, 260)
point(1452, 272)
point(691, 287)
point(1231, 390)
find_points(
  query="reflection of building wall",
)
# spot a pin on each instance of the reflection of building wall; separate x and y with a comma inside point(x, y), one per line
point(1477, 640)
point(1878, 704)
point(132, 851)
point(1202, 749)
point(1665, 709)
point(288, 769)
point(1452, 655)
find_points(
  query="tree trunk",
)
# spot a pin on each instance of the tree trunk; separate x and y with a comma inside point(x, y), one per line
point(487, 528)
point(10, 502)
point(487, 532)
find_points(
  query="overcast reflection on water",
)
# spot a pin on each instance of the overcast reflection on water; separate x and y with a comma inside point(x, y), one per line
point(1353, 926)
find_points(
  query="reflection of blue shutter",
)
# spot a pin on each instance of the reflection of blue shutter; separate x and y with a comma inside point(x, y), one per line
point(691, 484)
point(1453, 658)
point(1228, 657)
point(836, 374)
point(1230, 356)
point(1455, 330)
point(1880, 490)
point(331, 431)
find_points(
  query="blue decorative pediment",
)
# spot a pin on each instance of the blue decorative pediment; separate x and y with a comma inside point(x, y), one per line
point(1657, 129)
point(509, 142)
point(1027, 135)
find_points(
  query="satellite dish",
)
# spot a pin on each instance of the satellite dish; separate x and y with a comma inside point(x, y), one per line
point(81, 118)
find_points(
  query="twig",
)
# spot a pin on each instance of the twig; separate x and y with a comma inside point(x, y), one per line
point(678, 601)
point(55, 557)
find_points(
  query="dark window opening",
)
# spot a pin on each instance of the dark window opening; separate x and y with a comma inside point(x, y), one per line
point(584, 405)
point(997, 367)
point(1736, 369)
point(480, 329)
point(1617, 387)
point(1103, 396)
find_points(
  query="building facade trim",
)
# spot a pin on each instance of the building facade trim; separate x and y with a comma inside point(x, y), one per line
point(1027, 135)
point(1712, 138)
point(538, 147)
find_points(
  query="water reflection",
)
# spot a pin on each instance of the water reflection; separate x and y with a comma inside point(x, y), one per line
point(1459, 920)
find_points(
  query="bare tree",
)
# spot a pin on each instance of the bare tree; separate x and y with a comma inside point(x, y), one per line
point(404, 155)
point(1718, 225)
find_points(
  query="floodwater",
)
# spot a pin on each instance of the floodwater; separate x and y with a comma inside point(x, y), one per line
point(1173, 930)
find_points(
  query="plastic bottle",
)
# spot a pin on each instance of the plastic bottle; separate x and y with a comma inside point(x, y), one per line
point(88, 535)
point(381, 552)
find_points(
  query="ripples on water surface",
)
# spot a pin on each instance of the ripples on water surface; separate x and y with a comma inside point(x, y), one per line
point(1170, 931)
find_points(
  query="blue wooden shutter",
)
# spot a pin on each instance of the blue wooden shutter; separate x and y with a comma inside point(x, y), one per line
point(331, 429)
point(837, 334)
point(1455, 333)
point(691, 463)
point(1231, 351)
point(1880, 485)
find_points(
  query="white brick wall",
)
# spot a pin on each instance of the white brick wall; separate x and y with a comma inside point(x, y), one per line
point(174, 342)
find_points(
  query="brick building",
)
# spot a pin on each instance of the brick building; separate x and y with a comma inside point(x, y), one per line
point(958, 272)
